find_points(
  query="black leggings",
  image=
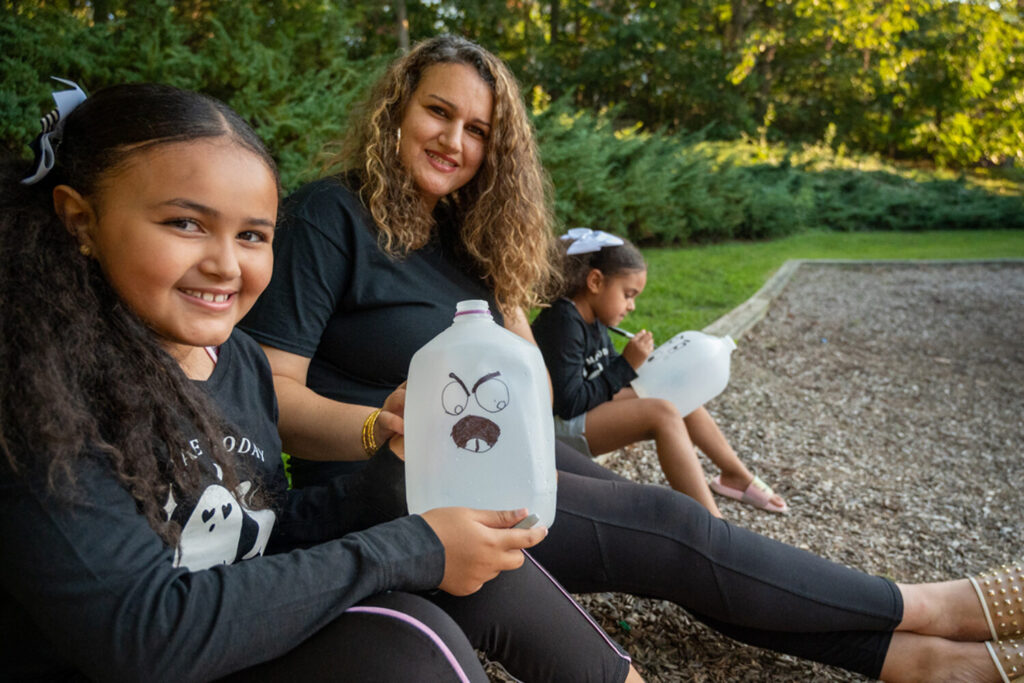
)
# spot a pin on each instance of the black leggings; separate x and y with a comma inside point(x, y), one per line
point(611, 534)
point(522, 619)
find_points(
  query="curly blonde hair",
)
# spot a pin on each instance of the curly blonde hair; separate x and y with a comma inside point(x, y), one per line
point(504, 211)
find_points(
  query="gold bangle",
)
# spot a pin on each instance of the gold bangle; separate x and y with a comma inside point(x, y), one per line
point(369, 442)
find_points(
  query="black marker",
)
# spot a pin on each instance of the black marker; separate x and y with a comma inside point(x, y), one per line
point(619, 330)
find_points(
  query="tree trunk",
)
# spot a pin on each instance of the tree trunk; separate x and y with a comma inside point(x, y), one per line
point(100, 11)
point(741, 15)
point(403, 25)
point(555, 7)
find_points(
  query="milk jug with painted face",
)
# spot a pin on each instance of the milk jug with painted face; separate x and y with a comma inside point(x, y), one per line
point(689, 370)
point(478, 426)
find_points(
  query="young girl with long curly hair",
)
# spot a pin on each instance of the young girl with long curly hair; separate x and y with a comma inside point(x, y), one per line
point(146, 530)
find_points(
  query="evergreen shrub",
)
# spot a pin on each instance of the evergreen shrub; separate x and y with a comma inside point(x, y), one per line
point(288, 74)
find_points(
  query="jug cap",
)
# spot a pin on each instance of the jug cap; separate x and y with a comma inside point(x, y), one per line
point(472, 307)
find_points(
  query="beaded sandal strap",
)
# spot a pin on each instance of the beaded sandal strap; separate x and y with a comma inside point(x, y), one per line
point(1008, 656)
point(1001, 592)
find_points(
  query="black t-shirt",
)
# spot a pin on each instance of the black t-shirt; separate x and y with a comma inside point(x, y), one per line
point(89, 591)
point(218, 527)
point(585, 369)
point(356, 312)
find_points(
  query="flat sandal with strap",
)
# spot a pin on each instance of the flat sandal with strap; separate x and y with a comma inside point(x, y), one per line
point(1001, 592)
point(1008, 656)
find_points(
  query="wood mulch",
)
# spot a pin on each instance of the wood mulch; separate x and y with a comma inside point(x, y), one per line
point(885, 403)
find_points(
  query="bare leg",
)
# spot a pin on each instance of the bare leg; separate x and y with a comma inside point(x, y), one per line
point(709, 438)
point(618, 423)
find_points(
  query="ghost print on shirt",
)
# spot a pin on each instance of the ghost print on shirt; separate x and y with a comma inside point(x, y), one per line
point(218, 528)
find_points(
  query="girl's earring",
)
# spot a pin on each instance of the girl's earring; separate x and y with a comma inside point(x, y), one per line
point(84, 250)
point(398, 142)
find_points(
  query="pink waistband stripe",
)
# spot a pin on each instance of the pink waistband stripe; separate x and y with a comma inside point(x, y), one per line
point(417, 624)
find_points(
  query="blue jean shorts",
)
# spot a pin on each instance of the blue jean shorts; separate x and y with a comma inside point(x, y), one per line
point(572, 432)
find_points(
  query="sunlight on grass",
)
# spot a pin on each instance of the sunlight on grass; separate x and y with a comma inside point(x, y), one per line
point(688, 288)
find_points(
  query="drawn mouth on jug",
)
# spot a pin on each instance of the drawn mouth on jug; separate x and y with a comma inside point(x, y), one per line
point(475, 433)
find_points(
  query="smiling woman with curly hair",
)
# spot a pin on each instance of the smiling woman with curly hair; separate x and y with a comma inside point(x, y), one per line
point(438, 197)
point(504, 208)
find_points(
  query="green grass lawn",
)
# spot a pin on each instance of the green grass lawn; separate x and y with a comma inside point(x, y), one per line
point(688, 288)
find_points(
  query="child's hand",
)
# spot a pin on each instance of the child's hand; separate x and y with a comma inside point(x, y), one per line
point(638, 348)
point(478, 544)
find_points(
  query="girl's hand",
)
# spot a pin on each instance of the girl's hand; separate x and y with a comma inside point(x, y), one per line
point(390, 421)
point(638, 348)
point(478, 544)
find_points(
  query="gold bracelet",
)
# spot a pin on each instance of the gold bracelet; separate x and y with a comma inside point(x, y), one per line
point(369, 442)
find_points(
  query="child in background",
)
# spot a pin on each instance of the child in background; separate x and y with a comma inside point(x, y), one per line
point(595, 408)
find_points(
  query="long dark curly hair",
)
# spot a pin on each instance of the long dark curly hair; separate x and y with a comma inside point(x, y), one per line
point(504, 212)
point(83, 376)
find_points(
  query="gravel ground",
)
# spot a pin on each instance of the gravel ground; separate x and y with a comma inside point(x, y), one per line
point(886, 404)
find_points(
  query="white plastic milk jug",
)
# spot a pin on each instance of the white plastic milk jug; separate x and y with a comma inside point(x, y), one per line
point(689, 369)
point(478, 425)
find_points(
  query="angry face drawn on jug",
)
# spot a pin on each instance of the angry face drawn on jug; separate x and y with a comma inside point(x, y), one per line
point(475, 433)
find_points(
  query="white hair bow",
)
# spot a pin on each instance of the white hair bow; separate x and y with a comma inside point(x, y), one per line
point(585, 240)
point(53, 124)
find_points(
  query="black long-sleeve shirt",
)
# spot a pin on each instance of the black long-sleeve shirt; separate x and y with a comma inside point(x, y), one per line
point(585, 369)
point(88, 590)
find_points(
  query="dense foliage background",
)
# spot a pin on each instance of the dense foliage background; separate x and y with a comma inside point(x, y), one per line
point(670, 122)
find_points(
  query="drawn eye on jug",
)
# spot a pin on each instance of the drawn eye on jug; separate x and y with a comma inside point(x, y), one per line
point(668, 348)
point(454, 396)
point(473, 432)
point(491, 393)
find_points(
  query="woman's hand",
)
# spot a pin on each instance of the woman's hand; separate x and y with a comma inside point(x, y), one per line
point(391, 420)
point(638, 348)
point(478, 544)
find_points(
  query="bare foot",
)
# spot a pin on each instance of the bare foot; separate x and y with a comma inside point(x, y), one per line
point(913, 657)
point(949, 609)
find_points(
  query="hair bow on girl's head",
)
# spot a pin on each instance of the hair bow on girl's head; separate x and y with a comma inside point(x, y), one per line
point(585, 240)
point(52, 124)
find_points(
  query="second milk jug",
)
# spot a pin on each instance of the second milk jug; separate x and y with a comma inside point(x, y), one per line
point(689, 370)
point(478, 426)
